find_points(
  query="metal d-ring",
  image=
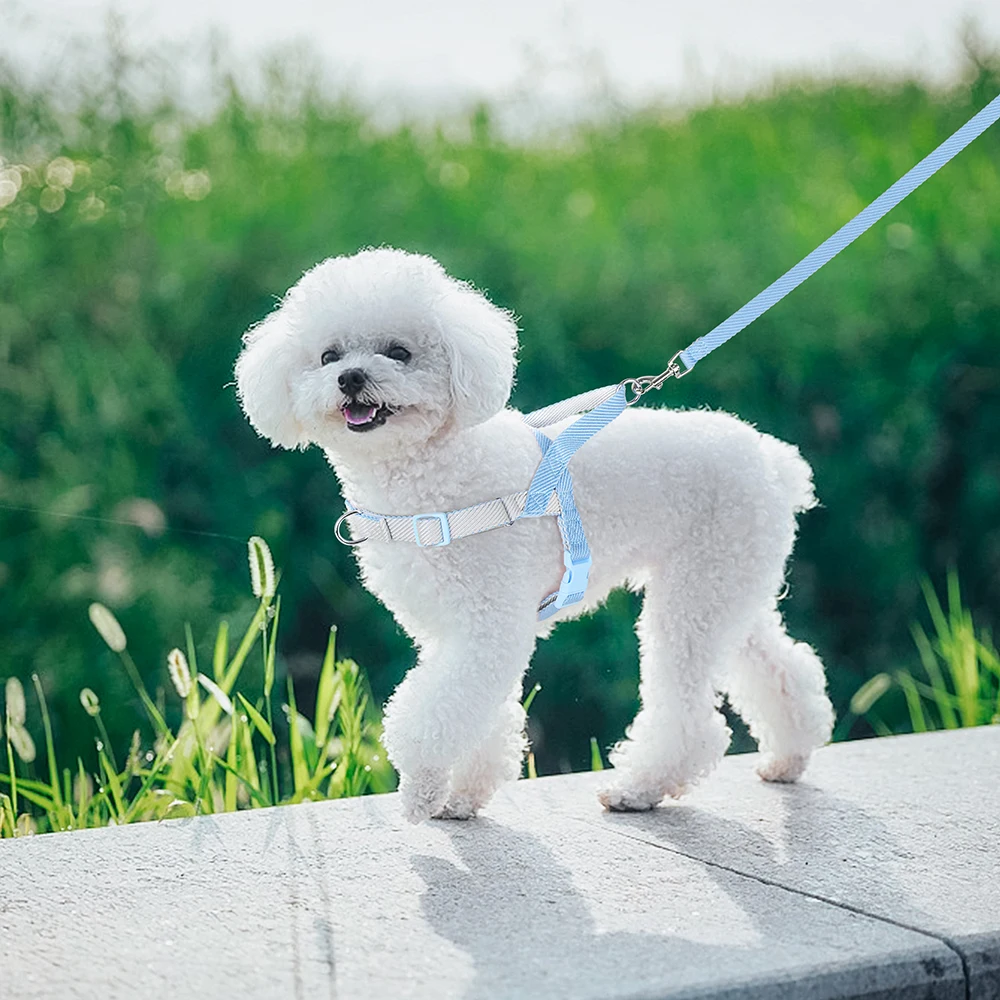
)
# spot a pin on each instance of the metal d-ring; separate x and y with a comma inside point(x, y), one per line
point(336, 529)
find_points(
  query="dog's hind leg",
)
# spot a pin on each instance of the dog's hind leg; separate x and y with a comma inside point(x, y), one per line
point(679, 735)
point(493, 763)
point(778, 686)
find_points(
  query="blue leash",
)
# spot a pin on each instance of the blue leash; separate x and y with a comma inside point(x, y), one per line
point(824, 253)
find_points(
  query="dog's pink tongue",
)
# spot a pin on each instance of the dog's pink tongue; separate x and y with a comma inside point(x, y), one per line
point(359, 415)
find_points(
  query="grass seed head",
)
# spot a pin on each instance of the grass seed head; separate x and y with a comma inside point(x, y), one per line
point(107, 625)
point(180, 673)
point(91, 703)
point(21, 741)
point(16, 708)
point(135, 749)
point(869, 693)
point(261, 567)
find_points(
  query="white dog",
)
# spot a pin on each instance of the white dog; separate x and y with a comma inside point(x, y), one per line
point(401, 375)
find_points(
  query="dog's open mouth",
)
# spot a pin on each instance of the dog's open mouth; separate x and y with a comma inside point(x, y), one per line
point(364, 416)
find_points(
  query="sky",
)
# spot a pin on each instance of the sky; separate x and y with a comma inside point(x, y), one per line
point(432, 53)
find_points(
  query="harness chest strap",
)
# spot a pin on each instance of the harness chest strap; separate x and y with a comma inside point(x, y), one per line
point(433, 530)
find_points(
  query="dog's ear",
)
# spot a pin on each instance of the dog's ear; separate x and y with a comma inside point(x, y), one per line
point(482, 343)
point(263, 372)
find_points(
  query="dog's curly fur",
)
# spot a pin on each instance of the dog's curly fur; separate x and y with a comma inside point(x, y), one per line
point(696, 509)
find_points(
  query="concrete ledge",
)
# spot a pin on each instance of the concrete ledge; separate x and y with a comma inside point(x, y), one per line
point(876, 877)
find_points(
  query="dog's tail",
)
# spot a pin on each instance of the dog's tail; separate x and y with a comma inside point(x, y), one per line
point(791, 470)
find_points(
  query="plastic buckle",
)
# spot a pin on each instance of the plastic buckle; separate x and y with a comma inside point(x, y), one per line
point(442, 520)
point(574, 581)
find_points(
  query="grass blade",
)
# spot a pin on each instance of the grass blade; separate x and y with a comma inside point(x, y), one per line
point(913, 703)
point(300, 769)
point(192, 655)
point(269, 658)
point(258, 720)
point(531, 697)
point(231, 763)
point(140, 799)
point(254, 629)
point(83, 799)
point(151, 710)
point(324, 692)
point(596, 764)
point(41, 787)
point(253, 792)
point(221, 651)
point(8, 821)
point(50, 751)
point(40, 799)
point(930, 663)
point(248, 759)
point(115, 786)
point(10, 767)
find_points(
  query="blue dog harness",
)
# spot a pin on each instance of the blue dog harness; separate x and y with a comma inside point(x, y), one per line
point(550, 492)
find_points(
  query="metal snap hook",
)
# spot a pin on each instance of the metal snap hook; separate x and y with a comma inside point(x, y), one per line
point(644, 383)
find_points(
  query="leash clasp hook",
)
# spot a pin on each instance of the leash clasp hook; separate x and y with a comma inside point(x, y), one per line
point(641, 385)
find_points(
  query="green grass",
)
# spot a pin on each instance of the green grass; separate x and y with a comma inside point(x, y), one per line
point(223, 755)
point(960, 681)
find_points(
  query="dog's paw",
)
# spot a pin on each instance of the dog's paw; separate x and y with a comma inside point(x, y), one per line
point(625, 798)
point(423, 794)
point(461, 808)
point(783, 769)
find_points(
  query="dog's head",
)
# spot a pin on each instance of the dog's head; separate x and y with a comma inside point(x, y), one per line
point(380, 349)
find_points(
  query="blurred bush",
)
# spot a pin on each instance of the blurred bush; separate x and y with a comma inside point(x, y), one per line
point(138, 240)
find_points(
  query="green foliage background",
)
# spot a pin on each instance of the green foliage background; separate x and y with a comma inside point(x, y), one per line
point(122, 304)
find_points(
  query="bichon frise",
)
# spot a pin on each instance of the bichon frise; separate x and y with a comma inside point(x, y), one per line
point(401, 375)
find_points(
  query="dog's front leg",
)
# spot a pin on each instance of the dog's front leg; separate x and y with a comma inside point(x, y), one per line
point(496, 760)
point(448, 705)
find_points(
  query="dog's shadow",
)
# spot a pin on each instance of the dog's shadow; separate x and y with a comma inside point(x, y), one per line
point(824, 845)
point(514, 911)
point(529, 931)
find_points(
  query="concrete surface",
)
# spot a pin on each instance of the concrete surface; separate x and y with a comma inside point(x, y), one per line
point(876, 877)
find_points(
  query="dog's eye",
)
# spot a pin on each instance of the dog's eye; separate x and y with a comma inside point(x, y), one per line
point(329, 357)
point(398, 353)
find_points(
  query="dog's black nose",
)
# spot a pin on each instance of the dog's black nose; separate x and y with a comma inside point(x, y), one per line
point(352, 381)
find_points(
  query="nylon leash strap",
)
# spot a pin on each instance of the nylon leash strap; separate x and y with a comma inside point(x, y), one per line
point(823, 254)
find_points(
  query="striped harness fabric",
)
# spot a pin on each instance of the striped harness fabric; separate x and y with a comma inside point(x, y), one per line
point(549, 494)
